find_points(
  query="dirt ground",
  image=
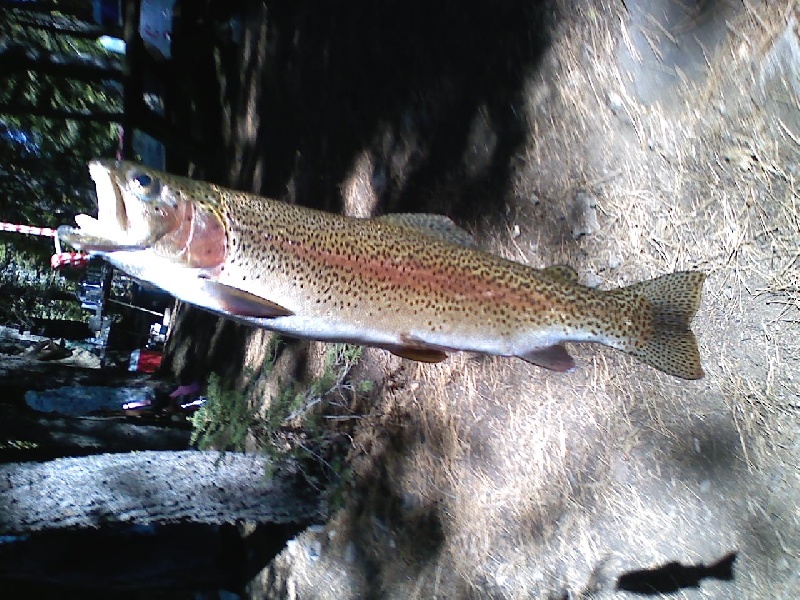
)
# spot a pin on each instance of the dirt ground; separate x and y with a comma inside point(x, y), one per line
point(626, 139)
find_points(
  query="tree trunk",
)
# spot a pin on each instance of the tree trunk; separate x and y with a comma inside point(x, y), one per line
point(28, 436)
point(133, 80)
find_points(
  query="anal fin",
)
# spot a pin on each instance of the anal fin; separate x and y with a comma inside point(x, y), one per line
point(425, 355)
point(416, 349)
point(240, 303)
point(555, 358)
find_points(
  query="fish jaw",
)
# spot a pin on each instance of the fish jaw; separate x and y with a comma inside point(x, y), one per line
point(129, 214)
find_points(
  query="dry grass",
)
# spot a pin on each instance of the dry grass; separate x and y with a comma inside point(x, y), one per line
point(486, 477)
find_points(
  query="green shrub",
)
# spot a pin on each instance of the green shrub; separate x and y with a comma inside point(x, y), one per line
point(297, 426)
point(223, 421)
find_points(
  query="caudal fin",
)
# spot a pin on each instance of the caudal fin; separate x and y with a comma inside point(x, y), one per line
point(723, 568)
point(670, 345)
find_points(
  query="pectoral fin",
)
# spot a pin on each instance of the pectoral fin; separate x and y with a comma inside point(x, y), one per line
point(239, 302)
point(418, 354)
point(555, 358)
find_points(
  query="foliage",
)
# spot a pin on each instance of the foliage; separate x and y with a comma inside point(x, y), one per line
point(29, 290)
point(295, 426)
point(17, 444)
point(299, 401)
point(43, 174)
point(223, 421)
point(42, 160)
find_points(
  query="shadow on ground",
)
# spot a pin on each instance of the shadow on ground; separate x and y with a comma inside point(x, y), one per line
point(176, 561)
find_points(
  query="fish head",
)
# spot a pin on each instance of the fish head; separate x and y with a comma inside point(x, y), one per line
point(135, 209)
point(140, 208)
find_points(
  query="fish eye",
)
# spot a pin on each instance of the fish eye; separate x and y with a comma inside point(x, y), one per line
point(143, 185)
point(143, 180)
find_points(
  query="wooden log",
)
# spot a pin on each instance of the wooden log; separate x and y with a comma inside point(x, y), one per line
point(148, 488)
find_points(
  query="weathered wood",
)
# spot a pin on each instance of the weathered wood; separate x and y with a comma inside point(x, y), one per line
point(148, 488)
point(24, 372)
point(25, 435)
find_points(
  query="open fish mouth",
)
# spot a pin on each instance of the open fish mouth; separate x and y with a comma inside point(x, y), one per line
point(111, 229)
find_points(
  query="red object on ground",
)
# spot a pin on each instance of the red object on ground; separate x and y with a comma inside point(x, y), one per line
point(145, 361)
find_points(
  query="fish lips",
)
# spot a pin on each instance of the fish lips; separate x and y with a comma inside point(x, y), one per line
point(113, 229)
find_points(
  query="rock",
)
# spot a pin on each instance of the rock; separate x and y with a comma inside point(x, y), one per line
point(593, 280)
point(583, 215)
point(314, 550)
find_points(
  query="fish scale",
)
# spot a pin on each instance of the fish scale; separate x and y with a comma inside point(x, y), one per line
point(413, 284)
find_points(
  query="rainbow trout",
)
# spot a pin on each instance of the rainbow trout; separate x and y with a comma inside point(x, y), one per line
point(413, 284)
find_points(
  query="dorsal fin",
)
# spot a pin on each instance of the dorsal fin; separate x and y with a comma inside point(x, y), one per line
point(436, 226)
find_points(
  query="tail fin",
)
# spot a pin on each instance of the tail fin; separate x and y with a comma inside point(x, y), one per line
point(671, 346)
point(723, 568)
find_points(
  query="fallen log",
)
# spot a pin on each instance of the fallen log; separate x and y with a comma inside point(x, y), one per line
point(26, 435)
point(148, 488)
